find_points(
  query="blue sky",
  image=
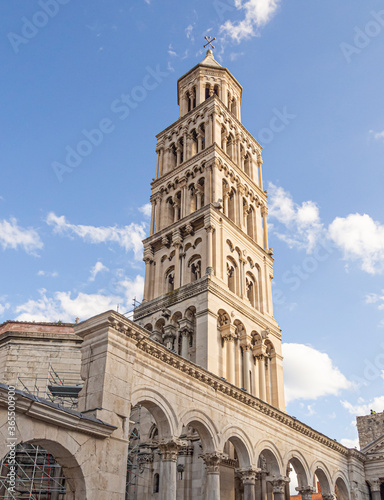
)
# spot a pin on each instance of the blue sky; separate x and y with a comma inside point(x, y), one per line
point(70, 225)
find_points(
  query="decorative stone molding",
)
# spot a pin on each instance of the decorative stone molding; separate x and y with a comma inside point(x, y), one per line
point(249, 475)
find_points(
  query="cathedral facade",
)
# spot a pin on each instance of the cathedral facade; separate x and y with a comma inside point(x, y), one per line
point(186, 402)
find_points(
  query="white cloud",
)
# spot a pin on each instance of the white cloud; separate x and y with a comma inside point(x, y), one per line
point(146, 209)
point(310, 374)
point(362, 407)
point(62, 306)
point(360, 238)
point(350, 443)
point(14, 236)
point(128, 237)
point(235, 55)
point(258, 13)
point(188, 32)
point(4, 306)
point(375, 298)
point(96, 269)
point(48, 274)
point(378, 136)
point(302, 224)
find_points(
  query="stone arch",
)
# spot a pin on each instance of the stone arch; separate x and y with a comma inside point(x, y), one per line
point(161, 410)
point(272, 457)
point(342, 486)
point(223, 318)
point(206, 428)
point(63, 455)
point(322, 473)
point(300, 465)
point(241, 442)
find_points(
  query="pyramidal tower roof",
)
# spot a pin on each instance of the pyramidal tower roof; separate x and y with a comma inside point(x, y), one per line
point(209, 60)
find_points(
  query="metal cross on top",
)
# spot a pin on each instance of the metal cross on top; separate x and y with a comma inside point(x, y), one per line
point(210, 40)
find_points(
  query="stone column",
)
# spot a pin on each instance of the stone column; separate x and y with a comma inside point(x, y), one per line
point(240, 216)
point(157, 163)
point(279, 488)
point(212, 465)
point(375, 485)
point(178, 155)
point(176, 239)
point(185, 332)
point(264, 212)
point(262, 388)
point(328, 496)
point(153, 210)
point(246, 345)
point(158, 214)
point(263, 485)
point(209, 268)
point(208, 185)
point(185, 154)
point(248, 477)
point(169, 336)
point(259, 164)
point(169, 451)
point(306, 492)
point(228, 333)
point(242, 276)
point(148, 255)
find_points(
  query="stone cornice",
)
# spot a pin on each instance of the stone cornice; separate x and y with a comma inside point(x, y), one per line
point(32, 336)
point(52, 414)
point(161, 353)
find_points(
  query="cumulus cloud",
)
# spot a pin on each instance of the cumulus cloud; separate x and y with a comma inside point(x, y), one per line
point(363, 407)
point(378, 136)
point(14, 236)
point(360, 238)
point(146, 209)
point(257, 13)
point(4, 306)
point(65, 307)
point(128, 237)
point(310, 374)
point(96, 269)
point(298, 225)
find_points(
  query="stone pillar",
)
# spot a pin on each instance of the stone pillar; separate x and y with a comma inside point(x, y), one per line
point(147, 279)
point(158, 214)
point(263, 485)
point(242, 276)
point(240, 216)
point(177, 244)
point(157, 164)
point(375, 485)
point(246, 345)
point(178, 155)
point(153, 210)
point(169, 451)
point(262, 388)
point(185, 154)
point(183, 207)
point(264, 212)
point(212, 465)
point(209, 267)
point(185, 332)
point(259, 164)
point(228, 333)
point(248, 477)
point(208, 185)
point(306, 492)
point(279, 488)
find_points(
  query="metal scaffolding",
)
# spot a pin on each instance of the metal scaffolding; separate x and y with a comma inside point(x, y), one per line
point(37, 475)
point(58, 387)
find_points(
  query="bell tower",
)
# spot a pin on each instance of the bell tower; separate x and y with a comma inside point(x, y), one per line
point(207, 292)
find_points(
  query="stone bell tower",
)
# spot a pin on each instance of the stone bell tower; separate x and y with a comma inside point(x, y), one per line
point(207, 291)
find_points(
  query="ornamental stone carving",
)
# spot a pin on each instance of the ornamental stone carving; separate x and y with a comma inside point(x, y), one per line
point(170, 449)
point(212, 461)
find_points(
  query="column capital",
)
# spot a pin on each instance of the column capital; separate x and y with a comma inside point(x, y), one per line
point(306, 492)
point(228, 332)
point(249, 475)
point(329, 496)
point(212, 461)
point(375, 484)
point(279, 483)
point(170, 449)
point(264, 210)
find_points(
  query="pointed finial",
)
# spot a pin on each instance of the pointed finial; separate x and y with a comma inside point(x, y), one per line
point(209, 42)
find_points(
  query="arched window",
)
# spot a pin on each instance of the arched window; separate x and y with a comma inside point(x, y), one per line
point(251, 222)
point(196, 270)
point(156, 483)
